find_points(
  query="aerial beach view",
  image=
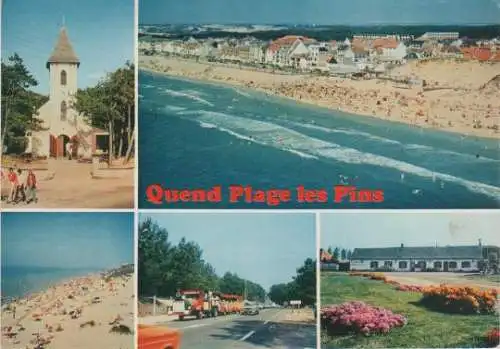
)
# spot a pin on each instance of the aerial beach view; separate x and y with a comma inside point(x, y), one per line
point(409, 109)
point(68, 118)
point(67, 280)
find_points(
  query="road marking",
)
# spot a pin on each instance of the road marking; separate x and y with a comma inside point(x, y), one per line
point(245, 337)
point(192, 326)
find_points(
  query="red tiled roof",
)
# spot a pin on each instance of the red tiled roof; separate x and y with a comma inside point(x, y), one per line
point(478, 53)
point(385, 43)
point(274, 47)
point(290, 39)
point(325, 256)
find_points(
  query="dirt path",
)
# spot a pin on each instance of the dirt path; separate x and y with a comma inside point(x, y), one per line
point(426, 279)
point(73, 187)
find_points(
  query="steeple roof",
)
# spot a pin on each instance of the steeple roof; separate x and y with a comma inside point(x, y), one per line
point(63, 51)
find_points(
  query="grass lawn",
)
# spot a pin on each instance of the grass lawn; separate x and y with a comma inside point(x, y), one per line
point(425, 328)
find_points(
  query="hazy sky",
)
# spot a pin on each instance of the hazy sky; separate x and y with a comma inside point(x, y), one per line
point(376, 229)
point(266, 248)
point(72, 240)
point(354, 12)
point(101, 31)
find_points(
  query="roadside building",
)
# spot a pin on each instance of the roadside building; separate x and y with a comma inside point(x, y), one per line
point(403, 258)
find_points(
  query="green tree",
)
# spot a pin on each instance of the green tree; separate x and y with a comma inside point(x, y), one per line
point(349, 254)
point(153, 258)
point(343, 254)
point(302, 287)
point(305, 282)
point(164, 267)
point(336, 253)
point(279, 293)
point(109, 105)
point(19, 104)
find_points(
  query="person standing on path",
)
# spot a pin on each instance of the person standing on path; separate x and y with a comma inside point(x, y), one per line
point(69, 148)
point(31, 187)
point(13, 180)
point(21, 181)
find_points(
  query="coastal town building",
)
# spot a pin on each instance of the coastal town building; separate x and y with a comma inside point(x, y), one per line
point(439, 36)
point(368, 53)
point(405, 258)
point(60, 122)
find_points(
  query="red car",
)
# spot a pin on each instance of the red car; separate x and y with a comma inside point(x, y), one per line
point(158, 337)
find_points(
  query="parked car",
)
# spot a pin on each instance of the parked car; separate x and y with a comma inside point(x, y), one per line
point(158, 337)
point(250, 310)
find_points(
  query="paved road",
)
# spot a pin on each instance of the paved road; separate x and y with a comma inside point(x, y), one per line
point(265, 330)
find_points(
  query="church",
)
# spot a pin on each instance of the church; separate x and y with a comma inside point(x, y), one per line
point(61, 124)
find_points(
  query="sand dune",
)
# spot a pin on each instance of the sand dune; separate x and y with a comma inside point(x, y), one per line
point(89, 312)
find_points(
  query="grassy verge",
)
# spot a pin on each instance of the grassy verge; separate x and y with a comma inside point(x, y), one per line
point(425, 328)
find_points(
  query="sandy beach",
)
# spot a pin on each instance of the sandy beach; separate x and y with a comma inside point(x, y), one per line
point(461, 97)
point(69, 184)
point(87, 312)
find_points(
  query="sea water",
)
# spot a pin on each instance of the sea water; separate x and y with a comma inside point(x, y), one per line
point(198, 135)
point(18, 281)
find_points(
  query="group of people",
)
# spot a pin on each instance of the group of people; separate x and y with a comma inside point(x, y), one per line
point(22, 186)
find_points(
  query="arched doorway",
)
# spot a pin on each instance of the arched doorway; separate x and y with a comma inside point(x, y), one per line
point(62, 140)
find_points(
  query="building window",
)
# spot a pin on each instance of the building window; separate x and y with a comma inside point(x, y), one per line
point(374, 265)
point(64, 111)
point(452, 265)
point(421, 264)
point(466, 264)
point(403, 265)
point(438, 265)
point(388, 264)
point(63, 78)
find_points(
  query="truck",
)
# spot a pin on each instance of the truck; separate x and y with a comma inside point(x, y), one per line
point(196, 303)
point(230, 303)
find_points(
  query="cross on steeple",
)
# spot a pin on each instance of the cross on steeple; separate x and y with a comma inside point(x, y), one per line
point(63, 21)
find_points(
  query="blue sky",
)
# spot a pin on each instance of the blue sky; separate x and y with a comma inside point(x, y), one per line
point(266, 248)
point(353, 12)
point(102, 34)
point(424, 228)
point(71, 240)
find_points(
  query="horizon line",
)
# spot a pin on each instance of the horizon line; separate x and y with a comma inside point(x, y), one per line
point(326, 25)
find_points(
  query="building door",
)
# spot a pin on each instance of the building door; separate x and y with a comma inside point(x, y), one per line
point(445, 266)
point(53, 146)
point(62, 140)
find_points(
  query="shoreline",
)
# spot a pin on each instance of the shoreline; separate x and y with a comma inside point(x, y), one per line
point(75, 312)
point(336, 94)
point(49, 285)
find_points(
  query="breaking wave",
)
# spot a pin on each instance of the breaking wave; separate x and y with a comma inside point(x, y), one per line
point(286, 139)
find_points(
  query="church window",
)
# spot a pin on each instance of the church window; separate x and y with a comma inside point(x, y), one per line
point(63, 78)
point(64, 111)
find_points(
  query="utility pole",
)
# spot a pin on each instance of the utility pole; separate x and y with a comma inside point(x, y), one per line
point(245, 295)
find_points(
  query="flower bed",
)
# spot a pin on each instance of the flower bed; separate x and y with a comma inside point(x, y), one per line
point(358, 317)
point(463, 300)
point(493, 338)
point(373, 276)
point(410, 288)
